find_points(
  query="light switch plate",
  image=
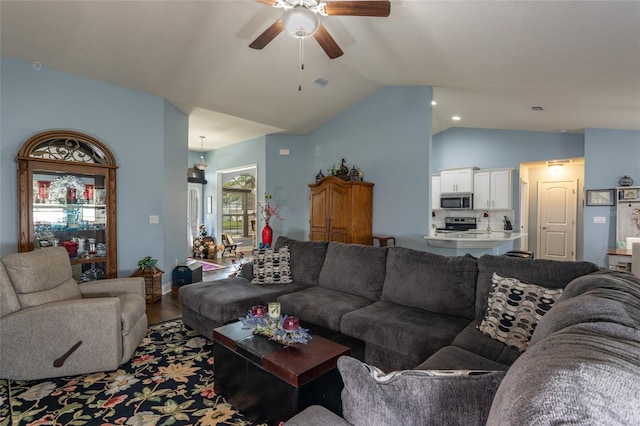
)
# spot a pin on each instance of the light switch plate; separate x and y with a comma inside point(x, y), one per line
point(599, 219)
point(154, 219)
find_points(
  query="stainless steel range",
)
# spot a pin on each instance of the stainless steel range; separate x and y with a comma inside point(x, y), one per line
point(458, 224)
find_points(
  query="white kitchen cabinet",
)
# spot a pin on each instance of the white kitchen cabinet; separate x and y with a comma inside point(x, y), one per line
point(456, 180)
point(435, 192)
point(492, 189)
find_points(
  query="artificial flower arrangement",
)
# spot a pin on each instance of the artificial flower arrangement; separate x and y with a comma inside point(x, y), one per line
point(205, 249)
point(267, 210)
point(237, 266)
point(274, 329)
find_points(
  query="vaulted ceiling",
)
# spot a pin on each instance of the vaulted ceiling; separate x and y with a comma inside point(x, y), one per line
point(488, 61)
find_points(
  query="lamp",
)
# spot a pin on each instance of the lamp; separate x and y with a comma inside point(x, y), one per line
point(300, 22)
point(201, 164)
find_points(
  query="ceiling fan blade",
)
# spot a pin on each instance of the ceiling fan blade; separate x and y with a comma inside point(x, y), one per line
point(358, 8)
point(268, 35)
point(268, 2)
point(327, 42)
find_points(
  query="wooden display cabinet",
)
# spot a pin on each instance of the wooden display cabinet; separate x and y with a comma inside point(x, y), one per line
point(341, 211)
point(67, 196)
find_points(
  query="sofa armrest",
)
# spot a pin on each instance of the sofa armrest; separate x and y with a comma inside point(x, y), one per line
point(112, 287)
point(33, 338)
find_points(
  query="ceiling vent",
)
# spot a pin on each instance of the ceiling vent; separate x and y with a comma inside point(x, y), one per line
point(321, 81)
point(536, 108)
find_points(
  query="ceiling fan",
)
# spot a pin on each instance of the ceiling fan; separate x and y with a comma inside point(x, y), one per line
point(301, 19)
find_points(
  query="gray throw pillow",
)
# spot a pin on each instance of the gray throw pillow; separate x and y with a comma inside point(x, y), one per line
point(415, 397)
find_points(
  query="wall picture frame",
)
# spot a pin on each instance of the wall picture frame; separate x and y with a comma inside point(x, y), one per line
point(629, 194)
point(600, 197)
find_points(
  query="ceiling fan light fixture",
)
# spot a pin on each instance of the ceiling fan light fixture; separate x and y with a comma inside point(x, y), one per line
point(300, 22)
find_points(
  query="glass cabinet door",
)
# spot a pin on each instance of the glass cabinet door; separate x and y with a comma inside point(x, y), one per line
point(67, 198)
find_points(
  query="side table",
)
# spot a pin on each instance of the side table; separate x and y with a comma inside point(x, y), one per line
point(152, 283)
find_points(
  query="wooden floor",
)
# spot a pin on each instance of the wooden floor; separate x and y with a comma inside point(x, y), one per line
point(169, 307)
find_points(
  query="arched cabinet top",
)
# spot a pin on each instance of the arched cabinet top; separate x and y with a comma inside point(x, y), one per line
point(67, 146)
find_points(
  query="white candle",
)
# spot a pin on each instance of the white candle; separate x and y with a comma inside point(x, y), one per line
point(274, 310)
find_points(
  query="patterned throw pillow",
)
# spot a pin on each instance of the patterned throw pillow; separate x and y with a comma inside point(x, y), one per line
point(271, 266)
point(514, 310)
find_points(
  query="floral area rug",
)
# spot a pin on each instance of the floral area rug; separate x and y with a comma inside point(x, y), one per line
point(168, 381)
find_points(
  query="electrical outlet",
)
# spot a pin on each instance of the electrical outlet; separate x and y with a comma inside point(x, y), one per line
point(599, 219)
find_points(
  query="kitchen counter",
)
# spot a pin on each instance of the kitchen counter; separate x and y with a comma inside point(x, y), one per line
point(472, 239)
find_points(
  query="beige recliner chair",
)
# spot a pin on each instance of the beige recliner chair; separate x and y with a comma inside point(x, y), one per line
point(50, 326)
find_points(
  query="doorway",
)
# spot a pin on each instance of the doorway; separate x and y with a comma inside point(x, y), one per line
point(237, 206)
point(534, 174)
point(557, 205)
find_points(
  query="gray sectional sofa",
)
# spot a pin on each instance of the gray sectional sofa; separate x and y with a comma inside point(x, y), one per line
point(420, 311)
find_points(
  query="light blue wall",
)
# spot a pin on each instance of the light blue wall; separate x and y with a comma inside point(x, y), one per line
point(609, 155)
point(489, 148)
point(175, 186)
point(287, 177)
point(388, 136)
point(133, 125)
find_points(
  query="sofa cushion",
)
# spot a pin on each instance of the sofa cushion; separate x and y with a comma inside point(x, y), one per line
point(230, 298)
point(355, 269)
point(41, 276)
point(514, 309)
point(414, 397)
point(585, 374)
point(435, 283)
point(307, 258)
point(473, 340)
point(412, 332)
point(271, 266)
point(545, 273)
point(453, 357)
point(321, 306)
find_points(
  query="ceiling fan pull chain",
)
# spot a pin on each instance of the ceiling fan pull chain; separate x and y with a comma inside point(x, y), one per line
point(301, 57)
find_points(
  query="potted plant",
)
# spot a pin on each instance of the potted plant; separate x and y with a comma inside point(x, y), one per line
point(148, 264)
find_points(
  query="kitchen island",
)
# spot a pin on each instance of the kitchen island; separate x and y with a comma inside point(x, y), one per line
point(493, 242)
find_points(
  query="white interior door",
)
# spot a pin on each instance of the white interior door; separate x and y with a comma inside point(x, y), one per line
point(557, 208)
point(524, 215)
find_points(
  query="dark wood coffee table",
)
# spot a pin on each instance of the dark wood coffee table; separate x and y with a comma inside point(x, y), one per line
point(271, 383)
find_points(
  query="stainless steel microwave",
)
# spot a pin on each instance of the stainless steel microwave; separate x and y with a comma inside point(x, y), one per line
point(456, 201)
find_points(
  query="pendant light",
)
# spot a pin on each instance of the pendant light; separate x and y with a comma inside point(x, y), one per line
point(201, 164)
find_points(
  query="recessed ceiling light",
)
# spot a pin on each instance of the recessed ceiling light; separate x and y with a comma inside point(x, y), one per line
point(456, 118)
point(434, 103)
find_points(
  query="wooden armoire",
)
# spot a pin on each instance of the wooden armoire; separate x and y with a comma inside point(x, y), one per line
point(341, 211)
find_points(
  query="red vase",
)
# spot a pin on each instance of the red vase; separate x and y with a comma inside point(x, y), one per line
point(267, 235)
